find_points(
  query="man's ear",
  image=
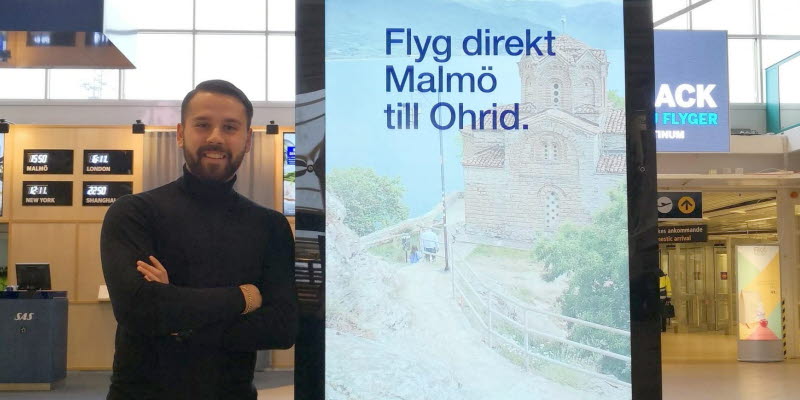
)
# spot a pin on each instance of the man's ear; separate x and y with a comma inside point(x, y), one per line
point(180, 135)
point(249, 143)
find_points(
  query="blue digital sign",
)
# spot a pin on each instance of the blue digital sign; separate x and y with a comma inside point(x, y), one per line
point(290, 157)
point(691, 91)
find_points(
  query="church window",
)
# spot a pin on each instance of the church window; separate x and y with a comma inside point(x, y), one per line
point(588, 92)
point(556, 94)
point(551, 210)
point(550, 150)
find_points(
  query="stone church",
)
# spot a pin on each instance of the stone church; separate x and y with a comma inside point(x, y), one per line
point(521, 185)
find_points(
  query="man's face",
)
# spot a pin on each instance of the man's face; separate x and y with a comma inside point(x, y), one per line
point(215, 137)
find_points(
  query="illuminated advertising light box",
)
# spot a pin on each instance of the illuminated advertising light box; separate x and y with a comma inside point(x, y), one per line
point(692, 91)
point(288, 173)
point(760, 313)
point(759, 293)
point(469, 171)
point(2, 169)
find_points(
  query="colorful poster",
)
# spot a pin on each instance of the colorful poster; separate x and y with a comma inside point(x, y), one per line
point(476, 214)
point(759, 279)
point(2, 169)
point(289, 173)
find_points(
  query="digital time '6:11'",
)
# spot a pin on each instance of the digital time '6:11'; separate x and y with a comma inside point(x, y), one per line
point(99, 158)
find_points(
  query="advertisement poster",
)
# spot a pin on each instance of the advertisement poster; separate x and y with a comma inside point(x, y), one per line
point(2, 169)
point(288, 173)
point(476, 215)
point(692, 91)
point(759, 292)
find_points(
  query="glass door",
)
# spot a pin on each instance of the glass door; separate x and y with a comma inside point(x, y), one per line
point(722, 289)
point(696, 299)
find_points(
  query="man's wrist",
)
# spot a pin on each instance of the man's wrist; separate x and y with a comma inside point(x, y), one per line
point(249, 300)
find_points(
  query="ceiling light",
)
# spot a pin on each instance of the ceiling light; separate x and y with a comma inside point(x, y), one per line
point(760, 219)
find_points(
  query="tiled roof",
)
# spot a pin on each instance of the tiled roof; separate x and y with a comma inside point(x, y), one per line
point(611, 163)
point(569, 47)
point(525, 109)
point(490, 157)
point(615, 122)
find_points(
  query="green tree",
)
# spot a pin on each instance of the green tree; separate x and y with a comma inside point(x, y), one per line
point(594, 257)
point(372, 201)
point(616, 100)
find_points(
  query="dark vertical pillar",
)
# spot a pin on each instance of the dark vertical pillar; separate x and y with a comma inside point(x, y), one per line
point(642, 190)
point(310, 197)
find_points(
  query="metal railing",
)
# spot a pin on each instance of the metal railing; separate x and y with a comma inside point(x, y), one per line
point(489, 312)
point(490, 308)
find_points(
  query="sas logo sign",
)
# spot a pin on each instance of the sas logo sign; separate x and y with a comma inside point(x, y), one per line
point(24, 317)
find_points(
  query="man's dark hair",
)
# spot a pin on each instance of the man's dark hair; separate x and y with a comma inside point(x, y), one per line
point(222, 87)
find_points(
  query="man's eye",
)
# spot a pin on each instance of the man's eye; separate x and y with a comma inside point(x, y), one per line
point(201, 125)
point(230, 127)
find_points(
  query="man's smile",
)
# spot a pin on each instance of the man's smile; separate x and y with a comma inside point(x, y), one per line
point(215, 155)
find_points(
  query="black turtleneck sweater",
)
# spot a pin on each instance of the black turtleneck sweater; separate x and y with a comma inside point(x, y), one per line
point(211, 240)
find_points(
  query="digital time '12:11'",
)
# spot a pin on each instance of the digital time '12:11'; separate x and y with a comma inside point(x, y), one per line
point(37, 190)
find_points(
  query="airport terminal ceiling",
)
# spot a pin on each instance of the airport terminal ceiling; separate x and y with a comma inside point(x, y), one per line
point(738, 214)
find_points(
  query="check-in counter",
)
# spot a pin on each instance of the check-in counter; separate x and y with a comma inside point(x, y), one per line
point(33, 339)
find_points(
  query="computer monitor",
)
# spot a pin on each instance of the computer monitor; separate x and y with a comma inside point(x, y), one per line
point(33, 276)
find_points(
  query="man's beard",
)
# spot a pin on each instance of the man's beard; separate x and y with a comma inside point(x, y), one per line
point(220, 173)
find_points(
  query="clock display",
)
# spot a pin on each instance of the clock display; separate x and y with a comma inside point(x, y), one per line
point(37, 158)
point(97, 190)
point(107, 162)
point(37, 190)
point(46, 193)
point(103, 193)
point(98, 158)
point(41, 161)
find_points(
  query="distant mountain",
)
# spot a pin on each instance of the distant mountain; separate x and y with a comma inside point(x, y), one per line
point(597, 24)
point(362, 26)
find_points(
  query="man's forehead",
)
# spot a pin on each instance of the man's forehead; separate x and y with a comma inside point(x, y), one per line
point(208, 105)
point(207, 117)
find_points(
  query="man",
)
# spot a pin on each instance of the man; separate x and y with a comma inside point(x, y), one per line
point(199, 276)
point(430, 244)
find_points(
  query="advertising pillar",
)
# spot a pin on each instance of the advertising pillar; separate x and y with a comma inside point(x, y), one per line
point(760, 310)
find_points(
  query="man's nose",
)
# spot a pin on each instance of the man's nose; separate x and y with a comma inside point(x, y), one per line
point(215, 136)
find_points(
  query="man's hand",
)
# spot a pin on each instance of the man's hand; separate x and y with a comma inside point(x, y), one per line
point(153, 273)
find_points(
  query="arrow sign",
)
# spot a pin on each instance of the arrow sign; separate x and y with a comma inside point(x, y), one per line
point(680, 205)
point(687, 204)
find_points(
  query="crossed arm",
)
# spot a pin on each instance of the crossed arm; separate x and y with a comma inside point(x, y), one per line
point(148, 305)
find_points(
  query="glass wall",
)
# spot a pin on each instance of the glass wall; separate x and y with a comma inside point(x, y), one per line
point(760, 33)
point(184, 42)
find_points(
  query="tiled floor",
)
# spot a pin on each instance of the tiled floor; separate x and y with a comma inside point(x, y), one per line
point(703, 366)
point(695, 367)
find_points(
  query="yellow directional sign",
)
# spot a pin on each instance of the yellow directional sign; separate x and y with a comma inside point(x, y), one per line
point(686, 205)
point(681, 206)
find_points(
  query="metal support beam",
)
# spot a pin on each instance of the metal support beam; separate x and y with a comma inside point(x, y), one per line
point(679, 13)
